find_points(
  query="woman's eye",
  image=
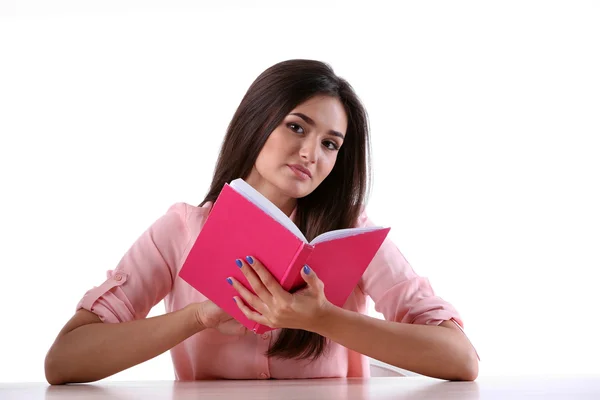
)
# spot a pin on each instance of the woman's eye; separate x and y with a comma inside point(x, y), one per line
point(296, 128)
point(331, 145)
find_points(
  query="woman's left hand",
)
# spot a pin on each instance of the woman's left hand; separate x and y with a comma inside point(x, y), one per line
point(275, 307)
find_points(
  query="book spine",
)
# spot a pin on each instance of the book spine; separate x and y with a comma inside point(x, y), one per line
point(292, 274)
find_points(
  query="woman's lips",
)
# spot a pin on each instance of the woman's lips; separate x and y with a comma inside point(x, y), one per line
point(300, 174)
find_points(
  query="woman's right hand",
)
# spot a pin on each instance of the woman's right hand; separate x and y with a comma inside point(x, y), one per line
point(209, 315)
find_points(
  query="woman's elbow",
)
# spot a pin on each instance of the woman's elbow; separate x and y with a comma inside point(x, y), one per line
point(469, 368)
point(52, 370)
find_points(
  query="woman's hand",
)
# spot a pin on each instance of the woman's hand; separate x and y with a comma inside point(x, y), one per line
point(209, 315)
point(274, 306)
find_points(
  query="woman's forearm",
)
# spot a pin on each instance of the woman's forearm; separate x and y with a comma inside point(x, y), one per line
point(96, 350)
point(441, 352)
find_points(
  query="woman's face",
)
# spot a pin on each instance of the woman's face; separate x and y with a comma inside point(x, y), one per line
point(301, 151)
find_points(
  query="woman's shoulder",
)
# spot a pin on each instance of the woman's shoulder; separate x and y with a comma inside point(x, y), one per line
point(363, 219)
point(190, 215)
point(185, 209)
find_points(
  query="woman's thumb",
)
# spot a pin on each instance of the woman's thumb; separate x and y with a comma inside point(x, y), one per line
point(309, 275)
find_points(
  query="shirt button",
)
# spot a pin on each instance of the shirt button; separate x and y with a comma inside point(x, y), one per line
point(118, 277)
point(265, 336)
point(263, 375)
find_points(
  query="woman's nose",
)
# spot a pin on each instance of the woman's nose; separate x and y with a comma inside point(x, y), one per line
point(309, 150)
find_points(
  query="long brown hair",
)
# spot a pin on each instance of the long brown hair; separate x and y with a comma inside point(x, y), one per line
point(336, 203)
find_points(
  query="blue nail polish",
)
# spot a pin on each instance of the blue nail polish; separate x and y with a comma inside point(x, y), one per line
point(229, 281)
point(234, 300)
point(239, 263)
point(306, 269)
point(250, 260)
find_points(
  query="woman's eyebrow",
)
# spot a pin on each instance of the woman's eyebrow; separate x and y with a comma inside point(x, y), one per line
point(311, 122)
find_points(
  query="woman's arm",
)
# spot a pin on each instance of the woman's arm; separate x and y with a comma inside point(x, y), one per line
point(88, 350)
point(442, 352)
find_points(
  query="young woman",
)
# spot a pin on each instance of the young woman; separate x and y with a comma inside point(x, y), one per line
point(300, 137)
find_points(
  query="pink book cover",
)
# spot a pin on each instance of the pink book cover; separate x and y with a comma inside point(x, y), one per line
point(236, 228)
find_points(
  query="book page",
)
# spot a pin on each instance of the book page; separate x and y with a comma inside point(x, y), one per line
point(340, 233)
point(243, 188)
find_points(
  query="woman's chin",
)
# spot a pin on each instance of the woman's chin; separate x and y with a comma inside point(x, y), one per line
point(296, 189)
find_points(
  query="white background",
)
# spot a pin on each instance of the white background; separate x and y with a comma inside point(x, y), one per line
point(485, 126)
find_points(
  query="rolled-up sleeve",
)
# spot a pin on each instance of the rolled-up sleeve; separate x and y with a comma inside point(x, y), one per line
point(398, 292)
point(145, 274)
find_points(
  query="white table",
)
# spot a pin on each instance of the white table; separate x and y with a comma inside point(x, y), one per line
point(570, 388)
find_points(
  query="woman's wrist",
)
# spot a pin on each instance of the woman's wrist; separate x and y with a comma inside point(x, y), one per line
point(323, 317)
point(193, 314)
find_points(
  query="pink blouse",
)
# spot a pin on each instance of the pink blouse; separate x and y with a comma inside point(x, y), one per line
point(148, 273)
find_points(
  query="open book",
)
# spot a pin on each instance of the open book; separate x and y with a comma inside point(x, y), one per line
point(243, 222)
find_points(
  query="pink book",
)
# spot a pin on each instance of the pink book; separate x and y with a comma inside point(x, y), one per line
point(243, 222)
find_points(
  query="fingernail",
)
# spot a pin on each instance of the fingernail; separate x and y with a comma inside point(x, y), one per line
point(250, 260)
point(239, 263)
point(306, 269)
point(229, 281)
point(234, 300)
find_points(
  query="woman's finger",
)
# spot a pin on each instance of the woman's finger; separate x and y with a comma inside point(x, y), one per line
point(249, 297)
point(269, 282)
point(255, 282)
point(250, 314)
point(311, 278)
